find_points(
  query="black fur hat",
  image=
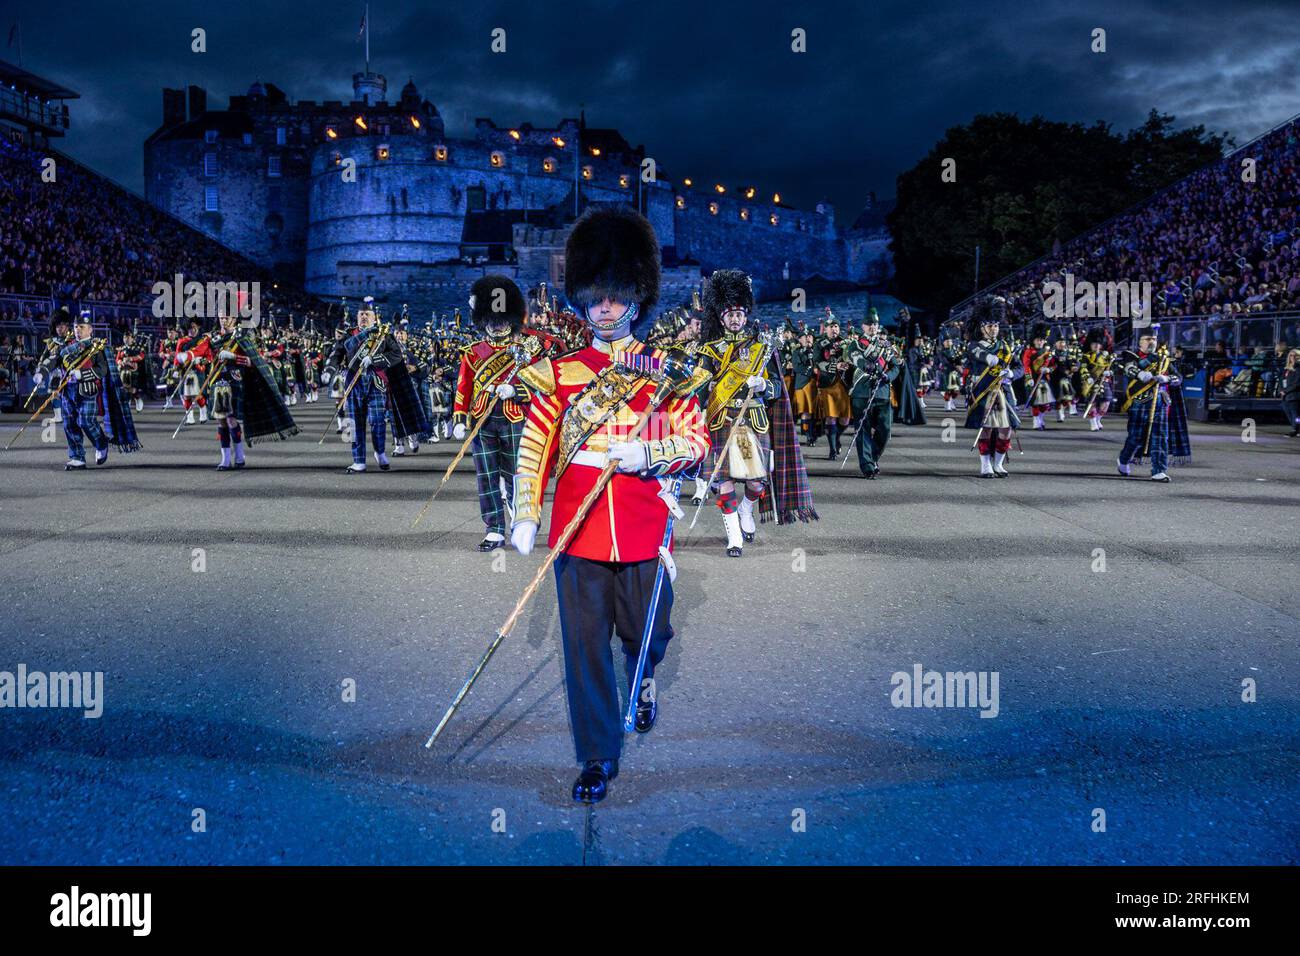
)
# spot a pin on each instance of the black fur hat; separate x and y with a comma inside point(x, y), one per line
point(1095, 335)
point(612, 253)
point(1039, 331)
point(991, 308)
point(726, 289)
point(61, 315)
point(485, 292)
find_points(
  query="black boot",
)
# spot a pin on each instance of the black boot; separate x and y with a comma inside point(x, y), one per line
point(647, 712)
point(593, 782)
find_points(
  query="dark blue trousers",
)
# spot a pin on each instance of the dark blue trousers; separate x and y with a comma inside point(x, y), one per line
point(599, 599)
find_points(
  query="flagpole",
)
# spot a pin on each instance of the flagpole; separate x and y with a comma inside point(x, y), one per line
point(367, 38)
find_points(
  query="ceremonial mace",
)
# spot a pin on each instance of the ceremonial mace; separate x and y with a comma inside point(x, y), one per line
point(1155, 396)
point(478, 426)
point(629, 720)
point(673, 371)
point(95, 349)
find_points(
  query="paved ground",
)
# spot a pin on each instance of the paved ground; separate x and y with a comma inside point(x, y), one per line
point(1119, 691)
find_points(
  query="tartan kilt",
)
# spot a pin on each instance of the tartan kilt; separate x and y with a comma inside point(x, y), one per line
point(404, 402)
point(266, 418)
point(1004, 417)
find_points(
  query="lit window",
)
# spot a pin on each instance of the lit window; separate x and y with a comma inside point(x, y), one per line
point(337, 159)
point(331, 133)
point(273, 166)
point(623, 180)
point(749, 192)
point(498, 159)
point(595, 150)
point(681, 202)
point(773, 219)
point(514, 134)
point(744, 215)
point(381, 152)
point(548, 165)
point(687, 183)
point(210, 199)
point(248, 139)
point(415, 121)
point(440, 153)
point(776, 197)
point(557, 141)
point(719, 188)
point(281, 136)
point(210, 136)
point(587, 172)
point(360, 121)
point(713, 209)
point(209, 164)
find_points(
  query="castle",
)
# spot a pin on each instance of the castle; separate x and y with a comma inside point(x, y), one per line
point(369, 197)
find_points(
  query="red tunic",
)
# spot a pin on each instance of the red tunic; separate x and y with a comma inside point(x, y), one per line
point(627, 521)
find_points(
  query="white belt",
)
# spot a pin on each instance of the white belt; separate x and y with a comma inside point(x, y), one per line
point(592, 459)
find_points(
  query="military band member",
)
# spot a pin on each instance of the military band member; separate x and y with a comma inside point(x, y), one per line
point(49, 369)
point(246, 400)
point(585, 405)
point(740, 363)
point(832, 383)
point(950, 366)
point(801, 359)
point(992, 410)
point(876, 364)
point(371, 361)
point(94, 397)
point(193, 376)
point(1063, 375)
point(1039, 364)
point(1157, 420)
point(133, 365)
point(418, 356)
point(1098, 389)
point(170, 375)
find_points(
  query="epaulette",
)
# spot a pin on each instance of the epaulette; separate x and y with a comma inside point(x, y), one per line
point(540, 376)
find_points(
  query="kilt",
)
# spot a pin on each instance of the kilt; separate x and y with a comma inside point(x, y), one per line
point(833, 401)
point(1001, 415)
point(805, 399)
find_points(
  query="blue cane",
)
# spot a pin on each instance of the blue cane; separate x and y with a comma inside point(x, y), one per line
point(629, 720)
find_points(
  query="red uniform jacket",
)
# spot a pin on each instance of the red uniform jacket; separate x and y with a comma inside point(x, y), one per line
point(483, 366)
point(628, 519)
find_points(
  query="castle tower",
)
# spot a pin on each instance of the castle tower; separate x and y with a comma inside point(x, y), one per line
point(369, 88)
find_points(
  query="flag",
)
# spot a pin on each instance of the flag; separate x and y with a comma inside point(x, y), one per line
point(361, 31)
point(13, 33)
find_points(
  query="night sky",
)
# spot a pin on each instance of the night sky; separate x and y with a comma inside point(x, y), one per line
point(711, 89)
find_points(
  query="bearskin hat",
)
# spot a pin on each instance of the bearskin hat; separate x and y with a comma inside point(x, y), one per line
point(726, 289)
point(1039, 331)
point(990, 309)
point(60, 315)
point(612, 253)
point(487, 291)
point(1095, 335)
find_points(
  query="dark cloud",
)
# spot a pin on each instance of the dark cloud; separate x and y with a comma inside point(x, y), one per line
point(712, 90)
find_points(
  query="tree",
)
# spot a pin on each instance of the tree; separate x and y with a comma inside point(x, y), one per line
point(1021, 186)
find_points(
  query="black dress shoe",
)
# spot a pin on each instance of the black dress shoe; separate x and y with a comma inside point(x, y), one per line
point(647, 712)
point(593, 783)
point(487, 544)
point(734, 552)
point(870, 474)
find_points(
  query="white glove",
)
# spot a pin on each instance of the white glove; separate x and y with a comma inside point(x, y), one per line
point(991, 360)
point(182, 358)
point(1144, 376)
point(1006, 375)
point(74, 376)
point(38, 378)
point(523, 536)
point(757, 383)
point(324, 378)
point(458, 432)
point(505, 391)
point(1162, 379)
point(631, 456)
point(225, 355)
point(366, 361)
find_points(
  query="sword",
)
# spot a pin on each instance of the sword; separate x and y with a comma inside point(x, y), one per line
point(629, 720)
